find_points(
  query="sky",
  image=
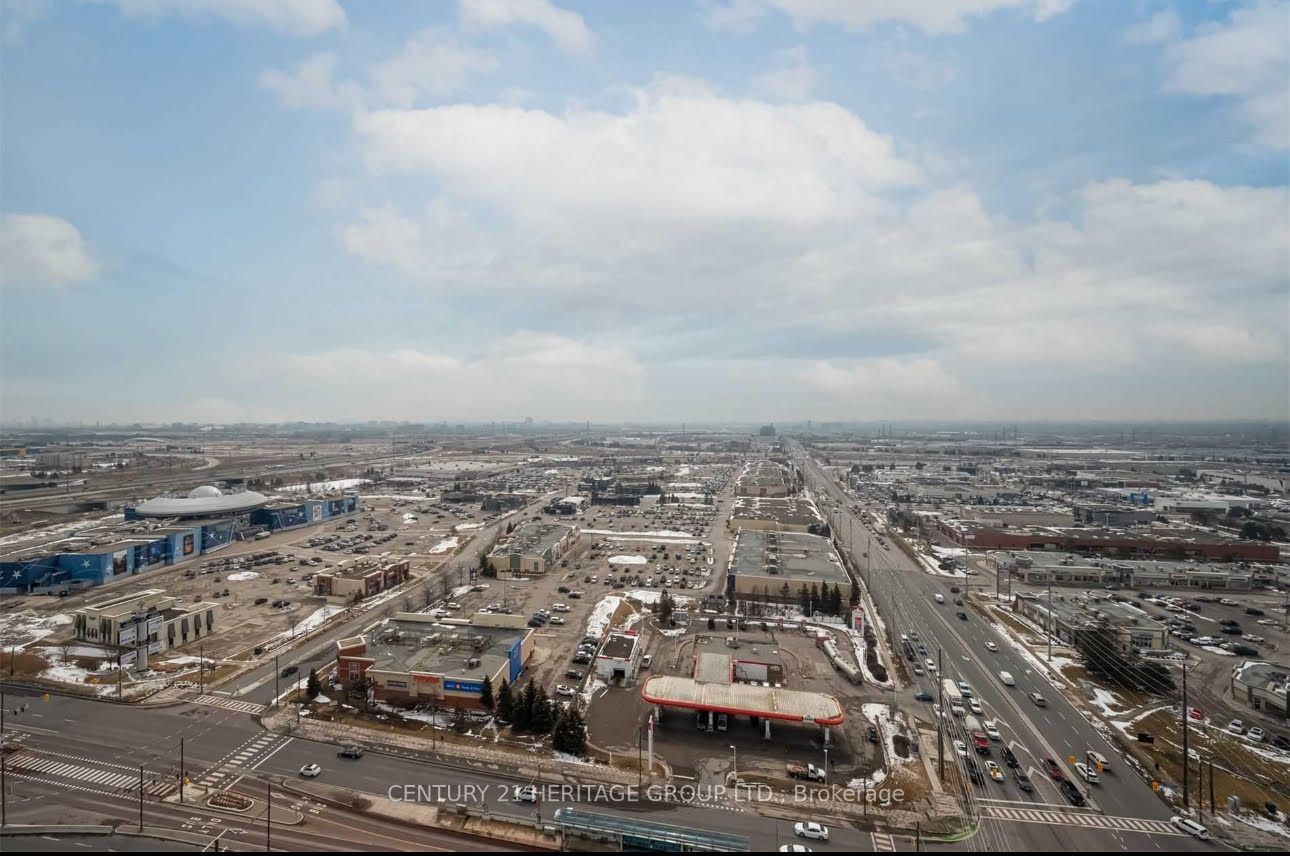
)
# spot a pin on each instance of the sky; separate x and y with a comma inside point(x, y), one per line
point(706, 210)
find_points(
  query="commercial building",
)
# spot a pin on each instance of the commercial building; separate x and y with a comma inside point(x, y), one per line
point(764, 478)
point(306, 512)
point(362, 579)
point(1263, 686)
point(1039, 568)
point(416, 659)
point(710, 695)
point(775, 566)
point(207, 501)
point(534, 548)
point(149, 618)
point(1071, 614)
point(619, 658)
point(782, 514)
point(1172, 543)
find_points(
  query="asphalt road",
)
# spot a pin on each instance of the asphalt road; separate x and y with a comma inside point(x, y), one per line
point(904, 596)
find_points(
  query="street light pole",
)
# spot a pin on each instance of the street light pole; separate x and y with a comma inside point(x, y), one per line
point(734, 764)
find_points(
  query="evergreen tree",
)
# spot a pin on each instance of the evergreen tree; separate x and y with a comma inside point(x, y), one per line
point(1100, 649)
point(815, 598)
point(665, 606)
point(804, 599)
point(855, 595)
point(522, 711)
point(313, 687)
point(542, 719)
point(570, 733)
point(486, 694)
point(505, 701)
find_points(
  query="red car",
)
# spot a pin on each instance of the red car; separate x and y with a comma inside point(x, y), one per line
point(1050, 767)
point(1196, 713)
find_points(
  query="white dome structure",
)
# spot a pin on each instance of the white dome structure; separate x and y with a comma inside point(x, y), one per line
point(204, 501)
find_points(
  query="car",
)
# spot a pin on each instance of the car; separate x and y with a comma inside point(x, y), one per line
point(289, 671)
point(1010, 758)
point(1039, 700)
point(794, 848)
point(930, 666)
point(646, 661)
point(962, 615)
point(811, 829)
point(966, 689)
point(1236, 726)
point(974, 772)
point(354, 752)
point(1255, 734)
point(524, 793)
point(919, 670)
point(573, 675)
point(990, 646)
point(565, 690)
point(1022, 780)
point(1191, 827)
point(961, 748)
point(994, 771)
point(1253, 611)
point(557, 620)
point(975, 706)
point(922, 695)
point(1053, 770)
point(954, 589)
point(1086, 772)
point(1072, 793)
point(872, 734)
point(310, 771)
point(991, 730)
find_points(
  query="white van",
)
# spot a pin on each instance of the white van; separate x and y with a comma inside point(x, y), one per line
point(1006, 677)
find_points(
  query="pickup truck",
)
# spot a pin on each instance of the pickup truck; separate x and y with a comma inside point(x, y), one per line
point(805, 771)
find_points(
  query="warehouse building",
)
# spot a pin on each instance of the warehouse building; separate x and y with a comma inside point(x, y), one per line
point(1173, 543)
point(764, 478)
point(149, 618)
point(1039, 568)
point(782, 514)
point(769, 566)
point(416, 659)
point(534, 548)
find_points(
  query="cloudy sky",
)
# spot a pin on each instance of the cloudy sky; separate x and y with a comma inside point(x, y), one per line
point(234, 210)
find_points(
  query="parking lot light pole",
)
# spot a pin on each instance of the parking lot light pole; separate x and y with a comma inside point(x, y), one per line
point(735, 763)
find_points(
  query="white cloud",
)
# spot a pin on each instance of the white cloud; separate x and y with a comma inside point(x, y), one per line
point(1246, 58)
point(919, 385)
point(565, 28)
point(1163, 26)
point(932, 16)
point(431, 64)
point(792, 79)
point(311, 85)
point(42, 250)
point(522, 374)
point(294, 17)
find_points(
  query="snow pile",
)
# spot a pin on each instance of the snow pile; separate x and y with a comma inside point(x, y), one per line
point(463, 527)
point(20, 629)
point(445, 545)
point(628, 560)
point(242, 576)
point(650, 598)
point(1108, 702)
point(334, 484)
point(601, 616)
point(589, 692)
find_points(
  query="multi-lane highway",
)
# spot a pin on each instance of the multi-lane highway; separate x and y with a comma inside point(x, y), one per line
point(1122, 811)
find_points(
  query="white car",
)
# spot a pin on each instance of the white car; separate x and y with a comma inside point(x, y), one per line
point(930, 666)
point(310, 771)
point(1191, 827)
point(1086, 772)
point(557, 620)
point(794, 848)
point(961, 748)
point(976, 706)
point(565, 690)
point(990, 646)
point(1236, 726)
point(811, 829)
point(1255, 734)
point(991, 730)
point(524, 793)
point(646, 661)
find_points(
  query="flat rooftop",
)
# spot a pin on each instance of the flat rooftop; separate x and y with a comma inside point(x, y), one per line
point(785, 510)
point(794, 557)
point(619, 646)
point(743, 699)
point(533, 539)
point(441, 649)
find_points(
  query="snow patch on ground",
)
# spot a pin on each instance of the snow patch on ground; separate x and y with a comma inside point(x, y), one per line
point(20, 629)
point(628, 560)
point(242, 576)
point(445, 545)
point(602, 614)
point(323, 486)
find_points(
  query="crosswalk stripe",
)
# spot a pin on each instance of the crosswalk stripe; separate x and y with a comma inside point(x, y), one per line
point(1097, 821)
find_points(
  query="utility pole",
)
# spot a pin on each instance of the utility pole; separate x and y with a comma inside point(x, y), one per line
point(277, 674)
point(201, 668)
point(1050, 619)
point(1211, 789)
point(183, 775)
point(268, 818)
point(940, 716)
point(4, 791)
point(1185, 729)
point(141, 798)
